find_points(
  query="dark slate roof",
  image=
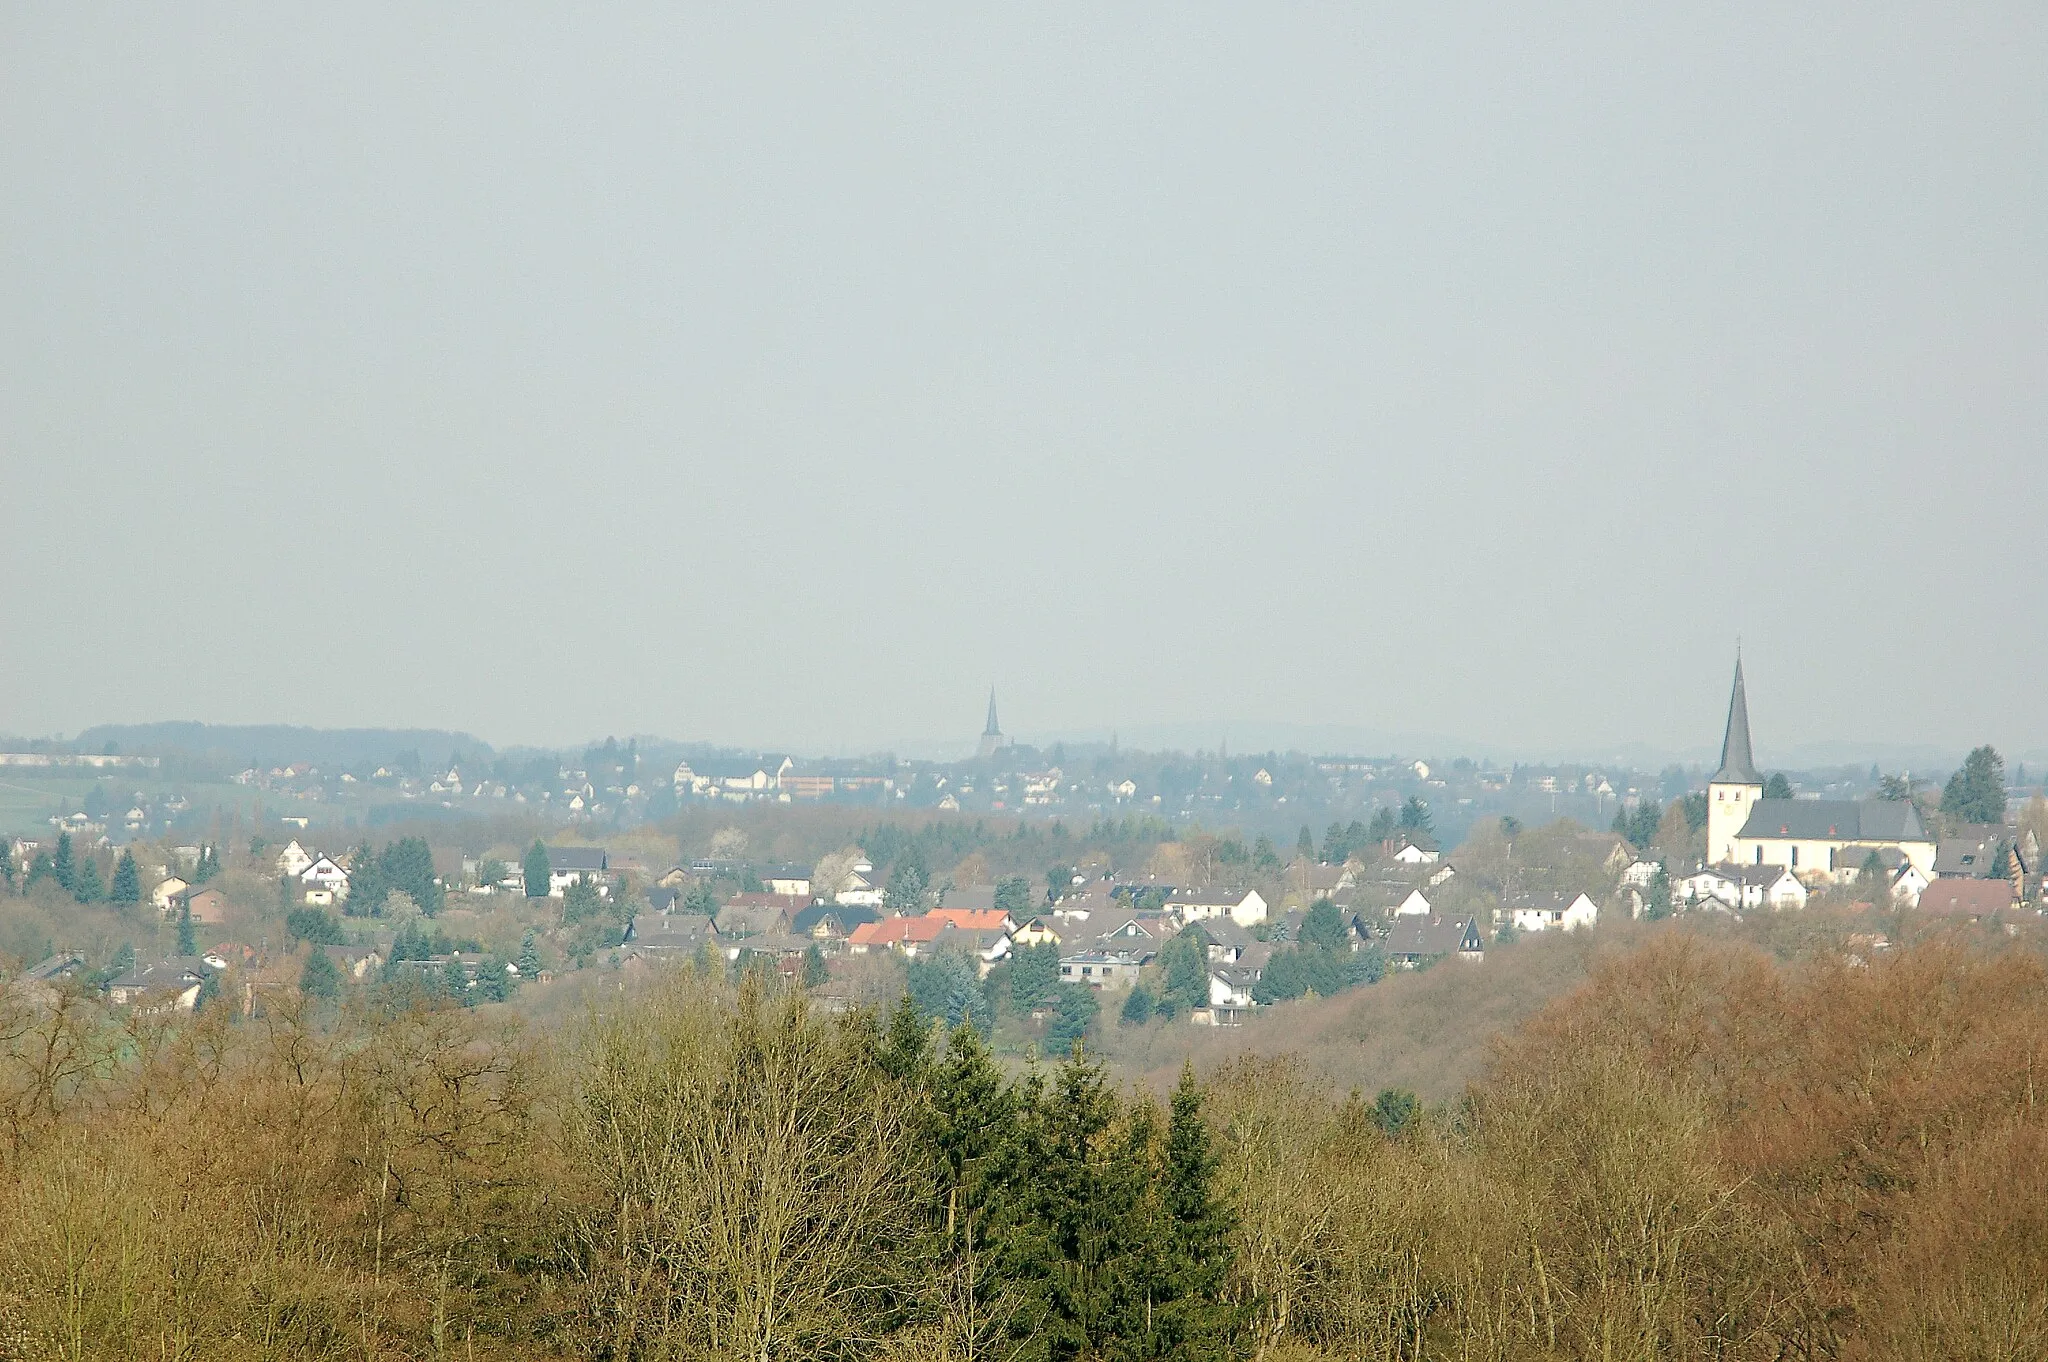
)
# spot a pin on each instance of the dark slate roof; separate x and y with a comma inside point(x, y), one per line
point(849, 915)
point(1836, 820)
point(576, 859)
point(1738, 767)
point(1968, 857)
point(670, 931)
point(1434, 937)
point(180, 972)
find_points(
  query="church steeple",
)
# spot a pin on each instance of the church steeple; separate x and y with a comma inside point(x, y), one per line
point(991, 732)
point(1738, 767)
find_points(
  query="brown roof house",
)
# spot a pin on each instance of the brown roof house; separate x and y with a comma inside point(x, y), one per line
point(1972, 899)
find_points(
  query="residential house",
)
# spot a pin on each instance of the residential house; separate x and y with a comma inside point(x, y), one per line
point(164, 898)
point(1242, 906)
point(831, 922)
point(173, 983)
point(1412, 943)
point(1414, 905)
point(1230, 994)
point(1039, 931)
point(791, 881)
point(356, 962)
point(208, 906)
point(1963, 898)
point(323, 883)
point(907, 936)
point(1641, 873)
point(1971, 853)
point(758, 914)
point(1741, 887)
point(1228, 942)
point(1416, 848)
point(786, 949)
point(735, 780)
point(686, 933)
point(1546, 912)
point(1908, 884)
point(293, 860)
point(864, 887)
point(1444, 871)
point(567, 865)
point(1104, 968)
point(975, 919)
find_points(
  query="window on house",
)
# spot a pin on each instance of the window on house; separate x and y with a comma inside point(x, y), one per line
point(1795, 858)
point(1759, 855)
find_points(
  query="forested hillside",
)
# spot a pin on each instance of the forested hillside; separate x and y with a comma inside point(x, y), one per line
point(1697, 1152)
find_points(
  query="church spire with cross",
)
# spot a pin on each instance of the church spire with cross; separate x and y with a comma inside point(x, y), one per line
point(991, 732)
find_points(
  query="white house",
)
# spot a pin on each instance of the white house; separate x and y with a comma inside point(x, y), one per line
point(324, 882)
point(293, 860)
point(791, 880)
point(1909, 884)
point(1230, 994)
point(1413, 906)
point(1242, 906)
point(1417, 851)
point(863, 887)
point(1742, 887)
point(1552, 912)
point(567, 865)
point(1640, 873)
point(165, 896)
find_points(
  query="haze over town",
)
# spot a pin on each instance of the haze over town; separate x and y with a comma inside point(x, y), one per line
point(1057, 684)
point(1257, 377)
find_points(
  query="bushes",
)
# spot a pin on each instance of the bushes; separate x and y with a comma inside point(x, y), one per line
point(1700, 1153)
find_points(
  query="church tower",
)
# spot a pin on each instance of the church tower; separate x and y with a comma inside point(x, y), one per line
point(991, 732)
point(1733, 790)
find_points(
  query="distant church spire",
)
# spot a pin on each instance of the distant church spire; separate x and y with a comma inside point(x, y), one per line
point(991, 732)
point(1738, 767)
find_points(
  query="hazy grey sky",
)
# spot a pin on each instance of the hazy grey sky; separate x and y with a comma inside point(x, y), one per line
point(780, 378)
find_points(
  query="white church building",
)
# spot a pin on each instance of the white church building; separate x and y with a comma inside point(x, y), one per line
point(1819, 840)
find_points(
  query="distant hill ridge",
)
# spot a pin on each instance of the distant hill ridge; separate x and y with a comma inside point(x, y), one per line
point(276, 744)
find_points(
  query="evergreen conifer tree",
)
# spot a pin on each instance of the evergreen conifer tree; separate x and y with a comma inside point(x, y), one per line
point(85, 881)
point(906, 1043)
point(815, 972)
point(188, 938)
point(1191, 1320)
point(529, 956)
point(320, 978)
point(127, 887)
point(65, 867)
point(536, 869)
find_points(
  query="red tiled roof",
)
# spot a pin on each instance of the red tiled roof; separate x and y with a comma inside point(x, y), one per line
point(972, 919)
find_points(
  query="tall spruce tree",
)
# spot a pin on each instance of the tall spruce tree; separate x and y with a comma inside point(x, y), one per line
point(1191, 1320)
point(188, 936)
point(906, 1051)
point(536, 870)
point(65, 866)
point(127, 886)
point(85, 882)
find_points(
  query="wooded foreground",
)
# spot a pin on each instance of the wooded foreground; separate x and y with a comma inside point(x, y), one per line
point(1701, 1153)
